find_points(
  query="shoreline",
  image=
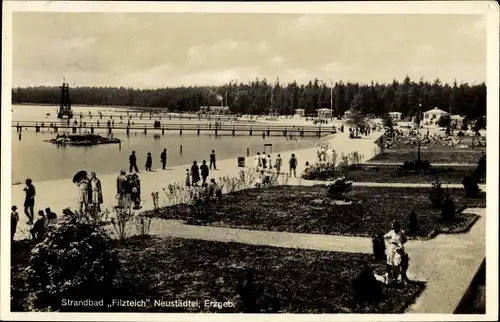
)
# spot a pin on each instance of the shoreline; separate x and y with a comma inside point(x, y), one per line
point(313, 144)
point(49, 192)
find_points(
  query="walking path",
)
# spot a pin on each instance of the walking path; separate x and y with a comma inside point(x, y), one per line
point(60, 194)
point(393, 164)
point(446, 263)
point(459, 255)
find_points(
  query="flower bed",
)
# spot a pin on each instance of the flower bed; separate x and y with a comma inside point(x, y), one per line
point(445, 155)
point(295, 281)
point(308, 209)
point(390, 174)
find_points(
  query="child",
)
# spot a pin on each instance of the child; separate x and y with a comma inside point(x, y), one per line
point(14, 219)
point(38, 230)
point(400, 265)
point(188, 178)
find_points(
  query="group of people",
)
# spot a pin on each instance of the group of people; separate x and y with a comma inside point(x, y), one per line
point(201, 172)
point(397, 258)
point(132, 159)
point(264, 165)
point(128, 191)
point(89, 192)
point(39, 226)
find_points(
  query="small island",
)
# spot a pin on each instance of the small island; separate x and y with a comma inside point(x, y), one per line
point(82, 140)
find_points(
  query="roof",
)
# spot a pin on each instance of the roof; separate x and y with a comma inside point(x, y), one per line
point(299, 109)
point(323, 109)
point(456, 117)
point(395, 113)
point(436, 110)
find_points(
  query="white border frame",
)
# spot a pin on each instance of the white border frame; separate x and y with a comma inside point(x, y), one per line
point(488, 8)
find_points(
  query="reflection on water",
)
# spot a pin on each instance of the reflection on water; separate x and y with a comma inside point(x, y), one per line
point(31, 157)
point(38, 160)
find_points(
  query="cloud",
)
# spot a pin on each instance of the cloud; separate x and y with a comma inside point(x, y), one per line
point(276, 59)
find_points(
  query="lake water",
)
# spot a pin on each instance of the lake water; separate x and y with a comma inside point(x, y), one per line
point(33, 158)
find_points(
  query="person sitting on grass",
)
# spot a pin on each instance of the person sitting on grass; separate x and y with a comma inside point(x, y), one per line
point(205, 192)
point(38, 230)
point(307, 168)
point(215, 190)
point(49, 214)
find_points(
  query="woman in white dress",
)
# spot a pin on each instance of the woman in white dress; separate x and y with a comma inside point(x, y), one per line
point(83, 193)
point(395, 239)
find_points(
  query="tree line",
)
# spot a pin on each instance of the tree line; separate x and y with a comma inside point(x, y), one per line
point(263, 96)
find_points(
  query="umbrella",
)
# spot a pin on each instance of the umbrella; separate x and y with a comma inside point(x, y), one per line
point(79, 175)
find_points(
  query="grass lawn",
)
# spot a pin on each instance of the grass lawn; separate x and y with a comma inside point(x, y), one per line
point(295, 281)
point(307, 209)
point(389, 174)
point(433, 155)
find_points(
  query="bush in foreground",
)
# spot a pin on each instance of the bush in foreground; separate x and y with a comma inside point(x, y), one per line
point(74, 261)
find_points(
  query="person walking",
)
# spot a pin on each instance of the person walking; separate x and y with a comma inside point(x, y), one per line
point(14, 219)
point(293, 165)
point(204, 171)
point(163, 158)
point(258, 162)
point(264, 160)
point(29, 201)
point(149, 162)
point(96, 191)
point(195, 174)
point(133, 162)
point(277, 164)
point(120, 181)
point(212, 160)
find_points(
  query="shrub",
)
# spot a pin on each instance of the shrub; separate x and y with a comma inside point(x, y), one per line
point(122, 223)
point(460, 133)
point(338, 187)
point(366, 288)
point(143, 224)
point(416, 166)
point(413, 223)
point(465, 125)
point(250, 293)
point(320, 171)
point(74, 261)
point(481, 167)
point(448, 209)
point(471, 186)
point(436, 195)
point(444, 121)
point(378, 246)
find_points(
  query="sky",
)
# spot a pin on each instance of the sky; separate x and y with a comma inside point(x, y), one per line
point(154, 50)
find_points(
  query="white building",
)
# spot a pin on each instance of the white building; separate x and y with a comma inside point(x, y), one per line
point(433, 116)
point(457, 120)
point(215, 109)
point(396, 116)
point(300, 112)
point(324, 112)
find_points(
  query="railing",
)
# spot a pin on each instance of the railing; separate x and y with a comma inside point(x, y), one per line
point(172, 126)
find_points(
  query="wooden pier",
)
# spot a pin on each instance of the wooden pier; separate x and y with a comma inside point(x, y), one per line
point(160, 115)
point(199, 129)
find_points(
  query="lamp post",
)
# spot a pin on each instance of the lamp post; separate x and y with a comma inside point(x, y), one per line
point(331, 99)
point(272, 94)
point(418, 132)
